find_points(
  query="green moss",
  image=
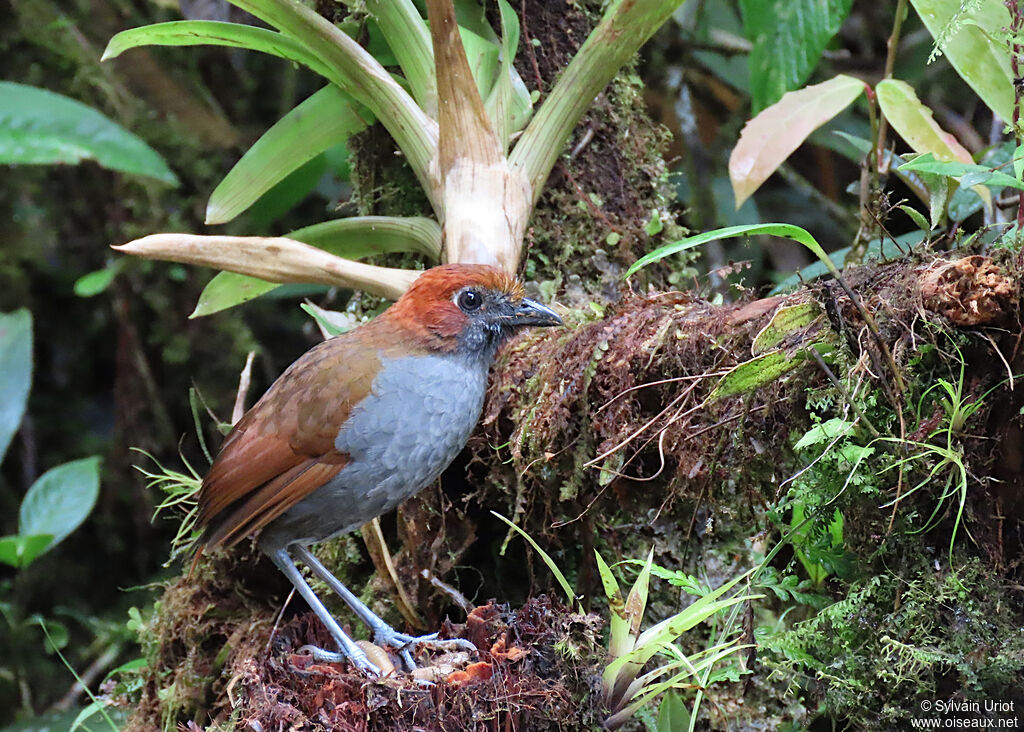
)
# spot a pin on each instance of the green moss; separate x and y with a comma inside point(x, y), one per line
point(895, 640)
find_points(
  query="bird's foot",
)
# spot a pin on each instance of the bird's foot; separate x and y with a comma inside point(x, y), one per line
point(407, 644)
point(357, 657)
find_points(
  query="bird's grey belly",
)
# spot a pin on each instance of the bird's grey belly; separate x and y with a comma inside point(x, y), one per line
point(399, 439)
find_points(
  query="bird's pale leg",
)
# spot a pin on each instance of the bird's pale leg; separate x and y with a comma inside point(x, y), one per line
point(349, 650)
point(383, 634)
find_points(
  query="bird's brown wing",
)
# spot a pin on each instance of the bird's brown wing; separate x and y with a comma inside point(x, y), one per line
point(283, 448)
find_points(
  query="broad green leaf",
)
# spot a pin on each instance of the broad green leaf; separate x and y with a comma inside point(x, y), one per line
point(19, 550)
point(39, 127)
point(968, 33)
point(789, 37)
point(93, 283)
point(771, 137)
point(673, 716)
point(228, 289)
point(785, 322)
point(212, 33)
point(753, 374)
point(353, 238)
point(824, 432)
point(15, 372)
point(915, 124)
point(913, 121)
point(60, 500)
point(955, 169)
point(327, 118)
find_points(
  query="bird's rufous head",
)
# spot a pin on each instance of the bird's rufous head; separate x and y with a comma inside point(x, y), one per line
point(470, 307)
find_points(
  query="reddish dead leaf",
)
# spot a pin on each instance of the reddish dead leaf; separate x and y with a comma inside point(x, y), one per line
point(473, 673)
point(501, 651)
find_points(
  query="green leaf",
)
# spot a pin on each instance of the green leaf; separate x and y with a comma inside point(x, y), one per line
point(353, 238)
point(913, 121)
point(19, 550)
point(93, 283)
point(327, 118)
point(409, 39)
point(785, 322)
point(566, 587)
point(916, 217)
point(789, 37)
point(824, 432)
point(788, 231)
point(673, 716)
point(15, 372)
point(619, 640)
point(753, 374)
point(509, 105)
point(60, 500)
point(955, 169)
point(967, 34)
point(212, 33)
point(330, 322)
point(482, 55)
point(228, 289)
point(39, 127)
point(770, 138)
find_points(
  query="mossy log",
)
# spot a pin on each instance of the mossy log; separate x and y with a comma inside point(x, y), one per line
point(621, 433)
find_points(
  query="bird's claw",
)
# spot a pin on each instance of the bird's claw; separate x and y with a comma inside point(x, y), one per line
point(406, 644)
point(357, 658)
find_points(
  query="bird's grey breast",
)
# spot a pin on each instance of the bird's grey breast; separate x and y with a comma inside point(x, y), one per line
point(420, 413)
point(418, 416)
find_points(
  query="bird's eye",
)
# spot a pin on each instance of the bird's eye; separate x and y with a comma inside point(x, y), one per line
point(469, 300)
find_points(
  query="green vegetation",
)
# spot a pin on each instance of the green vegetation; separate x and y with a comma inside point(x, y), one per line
point(798, 443)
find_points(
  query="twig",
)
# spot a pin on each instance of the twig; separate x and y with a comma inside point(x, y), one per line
point(381, 557)
point(243, 388)
point(88, 676)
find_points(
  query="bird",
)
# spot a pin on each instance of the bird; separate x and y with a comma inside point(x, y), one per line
point(358, 424)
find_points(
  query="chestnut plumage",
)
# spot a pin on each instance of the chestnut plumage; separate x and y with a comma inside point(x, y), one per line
point(361, 422)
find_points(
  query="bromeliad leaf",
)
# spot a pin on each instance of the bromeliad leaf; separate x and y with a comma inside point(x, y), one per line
point(351, 238)
point(509, 105)
point(40, 127)
point(325, 119)
point(212, 33)
point(771, 137)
